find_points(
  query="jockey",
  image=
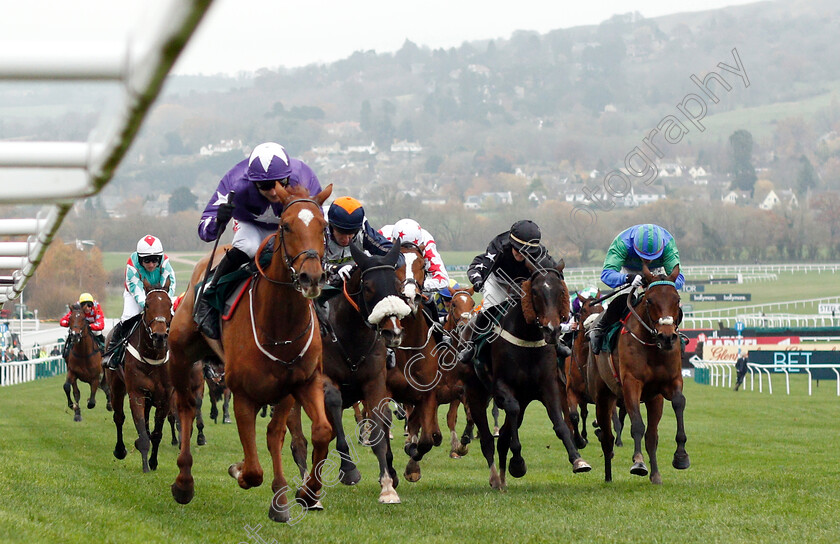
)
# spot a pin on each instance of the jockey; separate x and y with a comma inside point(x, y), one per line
point(443, 298)
point(623, 265)
point(348, 225)
point(148, 263)
point(497, 272)
point(93, 315)
point(255, 205)
point(408, 230)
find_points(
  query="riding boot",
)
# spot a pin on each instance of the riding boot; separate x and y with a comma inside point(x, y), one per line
point(390, 359)
point(100, 342)
point(596, 336)
point(112, 357)
point(206, 316)
point(480, 323)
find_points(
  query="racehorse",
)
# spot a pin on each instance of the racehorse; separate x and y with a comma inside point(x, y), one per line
point(214, 376)
point(645, 367)
point(576, 390)
point(144, 376)
point(460, 311)
point(271, 350)
point(415, 378)
point(360, 323)
point(524, 368)
point(84, 362)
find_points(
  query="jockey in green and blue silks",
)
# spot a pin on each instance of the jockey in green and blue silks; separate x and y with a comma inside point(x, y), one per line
point(149, 263)
point(649, 242)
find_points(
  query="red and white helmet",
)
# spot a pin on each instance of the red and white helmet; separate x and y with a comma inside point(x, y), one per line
point(408, 230)
point(149, 245)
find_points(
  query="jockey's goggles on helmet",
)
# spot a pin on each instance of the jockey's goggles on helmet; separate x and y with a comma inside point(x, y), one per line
point(87, 304)
point(150, 259)
point(268, 184)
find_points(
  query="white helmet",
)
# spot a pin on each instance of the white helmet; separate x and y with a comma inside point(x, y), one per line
point(408, 230)
point(149, 245)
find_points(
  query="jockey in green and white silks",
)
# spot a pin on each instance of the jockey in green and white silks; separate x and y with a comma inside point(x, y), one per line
point(156, 269)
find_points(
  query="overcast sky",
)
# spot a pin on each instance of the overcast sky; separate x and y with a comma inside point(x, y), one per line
point(245, 35)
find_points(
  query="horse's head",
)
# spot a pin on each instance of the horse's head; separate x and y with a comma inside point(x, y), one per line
point(412, 275)
point(545, 300)
point(77, 325)
point(662, 305)
point(460, 310)
point(157, 314)
point(301, 237)
point(588, 306)
point(375, 280)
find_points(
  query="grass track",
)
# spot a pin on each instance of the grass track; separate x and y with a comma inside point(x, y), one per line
point(764, 469)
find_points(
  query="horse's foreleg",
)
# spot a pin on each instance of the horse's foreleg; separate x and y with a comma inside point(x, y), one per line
point(413, 428)
point(333, 403)
point(551, 401)
point(469, 426)
point(495, 413)
point(226, 407)
point(632, 389)
point(279, 508)
point(299, 443)
point(654, 414)
point(505, 399)
point(118, 404)
point(161, 414)
point(248, 472)
point(68, 387)
point(619, 415)
point(103, 383)
point(456, 450)
point(94, 385)
point(77, 396)
point(183, 488)
point(681, 460)
point(430, 435)
point(137, 404)
point(199, 421)
point(573, 417)
point(477, 400)
point(604, 406)
point(214, 411)
point(377, 405)
point(311, 398)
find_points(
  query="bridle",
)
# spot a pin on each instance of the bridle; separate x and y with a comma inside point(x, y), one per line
point(147, 325)
point(362, 307)
point(540, 272)
point(409, 276)
point(290, 261)
point(74, 336)
point(667, 320)
point(463, 318)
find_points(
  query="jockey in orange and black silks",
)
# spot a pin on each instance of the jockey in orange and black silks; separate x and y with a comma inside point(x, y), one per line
point(349, 226)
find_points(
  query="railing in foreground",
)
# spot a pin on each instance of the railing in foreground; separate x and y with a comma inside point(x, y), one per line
point(720, 374)
point(16, 372)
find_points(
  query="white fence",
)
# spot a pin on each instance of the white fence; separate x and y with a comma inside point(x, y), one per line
point(721, 374)
point(16, 372)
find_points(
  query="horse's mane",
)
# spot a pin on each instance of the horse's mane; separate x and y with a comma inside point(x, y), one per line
point(528, 311)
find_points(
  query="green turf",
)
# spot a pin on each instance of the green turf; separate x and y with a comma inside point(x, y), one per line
point(764, 469)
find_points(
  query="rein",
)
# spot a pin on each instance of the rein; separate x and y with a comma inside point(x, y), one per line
point(644, 324)
point(147, 327)
point(290, 261)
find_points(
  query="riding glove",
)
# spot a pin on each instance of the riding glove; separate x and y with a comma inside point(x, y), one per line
point(223, 214)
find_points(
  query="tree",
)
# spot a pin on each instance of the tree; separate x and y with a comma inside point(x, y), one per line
point(182, 199)
point(807, 177)
point(366, 117)
point(742, 169)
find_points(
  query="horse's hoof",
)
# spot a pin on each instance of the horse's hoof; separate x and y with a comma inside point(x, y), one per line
point(580, 442)
point(200, 440)
point(175, 442)
point(389, 497)
point(182, 495)
point(226, 420)
point(279, 515)
point(411, 449)
point(109, 407)
point(437, 439)
point(517, 467)
point(77, 417)
point(656, 479)
point(495, 432)
point(235, 470)
point(619, 443)
point(146, 468)
point(153, 464)
point(351, 477)
point(681, 462)
point(91, 404)
point(465, 439)
point(579, 465)
point(454, 455)
point(412, 477)
point(463, 450)
point(120, 453)
point(317, 506)
point(639, 469)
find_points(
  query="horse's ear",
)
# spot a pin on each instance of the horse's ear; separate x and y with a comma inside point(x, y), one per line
point(646, 273)
point(580, 298)
point(359, 256)
point(527, 304)
point(168, 282)
point(393, 255)
point(146, 285)
point(282, 193)
point(323, 195)
point(675, 273)
point(561, 264)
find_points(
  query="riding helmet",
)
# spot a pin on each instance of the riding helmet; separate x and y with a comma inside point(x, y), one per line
point(408, 230)
point(346, 214)
point(149, 245)
point(525, 236)
point(268, 161)
point(648, 241)
point(85, 297)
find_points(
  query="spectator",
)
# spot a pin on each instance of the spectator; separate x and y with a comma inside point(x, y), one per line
point(741, 369)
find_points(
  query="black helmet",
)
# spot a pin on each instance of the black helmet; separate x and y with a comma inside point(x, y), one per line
point(525, 236)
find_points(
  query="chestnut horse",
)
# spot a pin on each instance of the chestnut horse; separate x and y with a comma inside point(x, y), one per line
point(451, 388)
point(271, 350)
point(576, 390)
point(645, 367)
point(524, 369)
point(144, 376)
point(360, 323)
point(84, 362)
point(415, 378)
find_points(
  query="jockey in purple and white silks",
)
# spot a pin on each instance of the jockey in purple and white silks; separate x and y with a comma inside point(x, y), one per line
point(256, 206)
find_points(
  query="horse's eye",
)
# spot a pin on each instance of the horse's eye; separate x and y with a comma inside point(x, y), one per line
point(286, 228)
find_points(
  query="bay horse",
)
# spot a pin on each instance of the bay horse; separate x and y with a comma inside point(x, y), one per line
point(271, 351)
point(523, 369)
point(416, 377)
point(577, 396)
point(84, 362)
point(645, 367)
point(144, 376)
point(360, 323)
point(458, 315)
point(214, 377)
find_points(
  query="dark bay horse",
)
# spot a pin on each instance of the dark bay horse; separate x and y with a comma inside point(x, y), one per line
point(360, 323)
point(416, 377)
point(214, 377)
point(272, 353)
point(524, 369)
point(144, 376)
point(645, 367)
point(576, 371)
point(84, 362)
